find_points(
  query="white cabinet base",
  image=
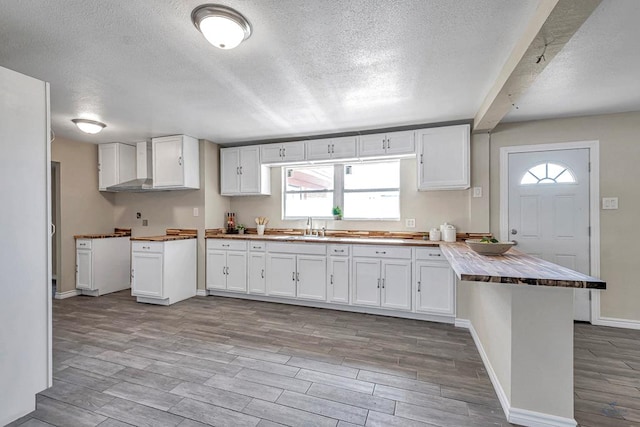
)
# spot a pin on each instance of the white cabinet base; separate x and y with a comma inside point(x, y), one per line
point(340, 307)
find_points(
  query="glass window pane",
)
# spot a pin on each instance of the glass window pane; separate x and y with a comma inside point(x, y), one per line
point(372, 205)
point(554, 170)
point(308, 204)
point(528, 179)
point(566, 177)
point(540, 171)
point(309, 178)
point(361, 176)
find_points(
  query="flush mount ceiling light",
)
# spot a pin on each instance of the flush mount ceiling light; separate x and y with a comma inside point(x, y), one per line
point(89, 126)
point(222, 26)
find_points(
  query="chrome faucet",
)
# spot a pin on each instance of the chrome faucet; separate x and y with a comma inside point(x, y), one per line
point(309, 229)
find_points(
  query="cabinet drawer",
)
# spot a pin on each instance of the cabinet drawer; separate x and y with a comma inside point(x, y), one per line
point(338, 250)
point(381, 252)
point(142, 246)
point(432, 254)
point(227, 244)
point(257, 246)
point(297, 248)
point(83, 244)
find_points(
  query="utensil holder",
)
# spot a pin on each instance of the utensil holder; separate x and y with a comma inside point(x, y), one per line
point(260, 229)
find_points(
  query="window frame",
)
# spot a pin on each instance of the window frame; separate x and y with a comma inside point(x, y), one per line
point(338, 191)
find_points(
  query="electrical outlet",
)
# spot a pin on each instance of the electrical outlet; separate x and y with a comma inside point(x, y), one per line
point(609, 203)
point(196, 212)
point(145, 222)
point(477, 191)
point(410, 223)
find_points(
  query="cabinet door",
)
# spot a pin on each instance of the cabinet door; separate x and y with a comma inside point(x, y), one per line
point(257, 267)
point(443, 158)
point(366, 281)
point(107, 165)
point(281, 275)
point(401, 142)
point(237, 271)
point(371, 145)
point(146, 275)
point(216, 269)
point(229, 171)
point(312, 277)
point(319, 149)
point(293, 151)
point(396, 284)
point(250, 170)
point(271, 153)
point(343, 148)
point(168, 163)
point(84, 269)
point(435, 291)
point(338, 287)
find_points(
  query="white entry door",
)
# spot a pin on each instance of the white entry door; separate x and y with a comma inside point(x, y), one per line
point(549, 211)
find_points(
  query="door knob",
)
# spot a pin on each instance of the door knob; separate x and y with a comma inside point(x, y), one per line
point(514, 231)
point(515, 242)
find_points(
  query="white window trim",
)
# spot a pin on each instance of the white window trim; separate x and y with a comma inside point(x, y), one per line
point(338, 192)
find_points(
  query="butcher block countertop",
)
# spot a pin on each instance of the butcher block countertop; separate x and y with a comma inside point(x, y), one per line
point(338, 236)
point(118, 232)
point(513, 267)
point(172, 234)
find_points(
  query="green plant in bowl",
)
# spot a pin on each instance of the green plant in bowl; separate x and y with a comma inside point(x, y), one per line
point(337, 212)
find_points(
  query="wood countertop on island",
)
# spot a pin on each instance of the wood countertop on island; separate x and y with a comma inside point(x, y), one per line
point(513, 267)
point(118, 232)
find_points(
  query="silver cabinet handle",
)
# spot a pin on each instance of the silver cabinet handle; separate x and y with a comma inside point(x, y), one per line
point(435, 255)
point(297, 277)
point(237, 170)
point(333, 148)
point(421, 159)
point(132, 273)
point(388, 143)
point(227, 271)
point(328, 148)
point(256, 247)
point(383, 283)
point(223, 271)
point(339, 250)
point(331, 279)
point(240, 170)
point(284, 152)
point(419, 286)
point(381, 252)
point(378, 283)
point(99, 165)
point(77, 268)
point(262, 274)
point(180, 160)
point(225, 246)
point(383, 141)
point(293, 276)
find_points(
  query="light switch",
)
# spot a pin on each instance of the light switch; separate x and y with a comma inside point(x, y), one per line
point(477, 191)
point(410, 223)
point(196, 212)
point(609, 203)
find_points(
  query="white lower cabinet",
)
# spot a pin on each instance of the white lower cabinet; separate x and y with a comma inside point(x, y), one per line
point(297, 276)
point(382, 283)
point(102, 265)
point(163, 272)
point(415, 281)
point(338, 287)
point(227, 265)
point(435, 283)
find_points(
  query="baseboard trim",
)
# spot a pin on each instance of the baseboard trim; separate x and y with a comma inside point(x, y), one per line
point(617, 323)
point(201, 293)
point(517, 416)
point(536, 419)
point(502, 396)
point(68, 294)
point(330, 306)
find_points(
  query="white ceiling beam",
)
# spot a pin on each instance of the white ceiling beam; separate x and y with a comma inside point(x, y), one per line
point(553, 25)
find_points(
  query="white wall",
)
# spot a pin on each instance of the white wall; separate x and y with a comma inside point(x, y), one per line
point(25, 306)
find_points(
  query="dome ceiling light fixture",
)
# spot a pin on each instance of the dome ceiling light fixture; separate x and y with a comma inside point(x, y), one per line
point(89, 126)
point(223, 27)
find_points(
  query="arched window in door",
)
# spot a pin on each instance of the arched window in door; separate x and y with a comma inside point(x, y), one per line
point(548, 173)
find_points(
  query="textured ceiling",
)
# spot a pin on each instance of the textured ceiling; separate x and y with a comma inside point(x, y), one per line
point(310, 66)
point(598, 70)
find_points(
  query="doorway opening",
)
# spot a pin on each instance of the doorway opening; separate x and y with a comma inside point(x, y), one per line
point(549, 204)
point(55, 227)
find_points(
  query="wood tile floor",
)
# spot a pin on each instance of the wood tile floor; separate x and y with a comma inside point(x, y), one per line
point(229, 362)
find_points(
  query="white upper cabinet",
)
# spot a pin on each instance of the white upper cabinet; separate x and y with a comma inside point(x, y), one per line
point(443, 158)
point(387, 144)
point(176, 162)
point(332, 148)
point(241, 172)
point(282, 153)
point(116, 164)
